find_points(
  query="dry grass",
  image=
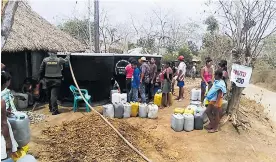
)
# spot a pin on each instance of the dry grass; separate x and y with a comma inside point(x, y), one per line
point(264, 75)
point(265, 78)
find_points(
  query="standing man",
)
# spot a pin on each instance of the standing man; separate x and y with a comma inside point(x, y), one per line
point(129, 73)
point(181, 71)
point(153, 72)
point(144, 78)
point(51, 70)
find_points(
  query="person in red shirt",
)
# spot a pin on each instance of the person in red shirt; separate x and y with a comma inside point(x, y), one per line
point(129, 74)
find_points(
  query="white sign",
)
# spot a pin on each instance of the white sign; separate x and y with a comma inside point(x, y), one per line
point(241, 75)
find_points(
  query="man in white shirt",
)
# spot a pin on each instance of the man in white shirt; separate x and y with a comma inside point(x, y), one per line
point(181, 71)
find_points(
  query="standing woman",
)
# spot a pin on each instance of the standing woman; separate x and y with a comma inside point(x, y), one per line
point(207, 75)
point(166, 89)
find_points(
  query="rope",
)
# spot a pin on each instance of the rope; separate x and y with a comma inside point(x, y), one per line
point(118, 133)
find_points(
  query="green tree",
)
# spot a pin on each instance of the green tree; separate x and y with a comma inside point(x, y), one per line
point(212, 24)
point(193, 47)
point(186, 52)
point(170, 57)
point(78, 29)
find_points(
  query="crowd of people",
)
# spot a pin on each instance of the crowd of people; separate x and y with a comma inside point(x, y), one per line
point(147, 79)
point(144, 78)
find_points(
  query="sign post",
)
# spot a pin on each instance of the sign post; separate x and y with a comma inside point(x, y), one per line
point(241, 75)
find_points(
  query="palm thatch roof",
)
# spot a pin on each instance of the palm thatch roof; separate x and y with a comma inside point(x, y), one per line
point(32, 32)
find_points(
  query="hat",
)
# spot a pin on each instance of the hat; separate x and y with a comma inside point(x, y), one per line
point(143, 59)
point(181, 58)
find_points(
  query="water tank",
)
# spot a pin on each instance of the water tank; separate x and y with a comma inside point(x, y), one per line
point(127, 110)
point(108, 111)
point(177, 122)
point(195, 94)
point(118, 110)
point(152, 111)
point(188, 122)
point(20, 124)
point(143, 110)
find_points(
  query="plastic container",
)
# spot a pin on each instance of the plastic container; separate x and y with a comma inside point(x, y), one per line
point(179, 110)
point(188, 122)
point(196, 103)
point(20, 124)
point(27, 158)
point(108, 111)
point(118, 110)
point(193, 107)
point(127, 110)
point(116, 98)
point(123, 98)
point(177, 122)
point(21, 100)
point(198, 120)
point(112, 92)
point(152, 111)
point(134, 109)
point(143, 110)
point(189, 110)
point(195, 94)
point(224, 106)
point(170, 98)
point(158, 99)
point(205, 117)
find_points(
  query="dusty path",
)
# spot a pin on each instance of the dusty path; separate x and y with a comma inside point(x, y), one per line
point(263, 96)
point(199, 146)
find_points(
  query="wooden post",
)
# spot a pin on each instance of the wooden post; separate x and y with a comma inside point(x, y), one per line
point(96, 26)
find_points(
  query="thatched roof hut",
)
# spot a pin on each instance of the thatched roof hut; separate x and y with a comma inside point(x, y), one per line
point(31, 32)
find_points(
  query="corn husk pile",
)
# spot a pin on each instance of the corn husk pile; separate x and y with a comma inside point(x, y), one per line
point(86, 139)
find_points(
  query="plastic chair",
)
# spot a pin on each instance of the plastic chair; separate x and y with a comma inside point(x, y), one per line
point(77, 97)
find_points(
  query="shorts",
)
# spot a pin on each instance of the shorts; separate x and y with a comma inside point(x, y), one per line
point(203, 85)
point(180, 84)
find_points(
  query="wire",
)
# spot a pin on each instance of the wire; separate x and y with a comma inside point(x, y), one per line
point(118, 133)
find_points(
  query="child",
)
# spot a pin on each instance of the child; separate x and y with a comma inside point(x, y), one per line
point(135, 83)
point(157, 84)
point(215, 98)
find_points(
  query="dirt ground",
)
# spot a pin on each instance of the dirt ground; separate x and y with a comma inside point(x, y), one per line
point(159, 142)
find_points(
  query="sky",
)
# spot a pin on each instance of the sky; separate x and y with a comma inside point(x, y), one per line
point(119, 11)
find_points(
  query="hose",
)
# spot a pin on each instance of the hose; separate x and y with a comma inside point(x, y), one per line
point(118, 133)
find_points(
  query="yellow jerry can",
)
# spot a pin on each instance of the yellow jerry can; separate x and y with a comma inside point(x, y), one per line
point(158, 99)
point(20, 153)
point(170, 98)
point(134, 109)
point(189, 111)
point(179, 110)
